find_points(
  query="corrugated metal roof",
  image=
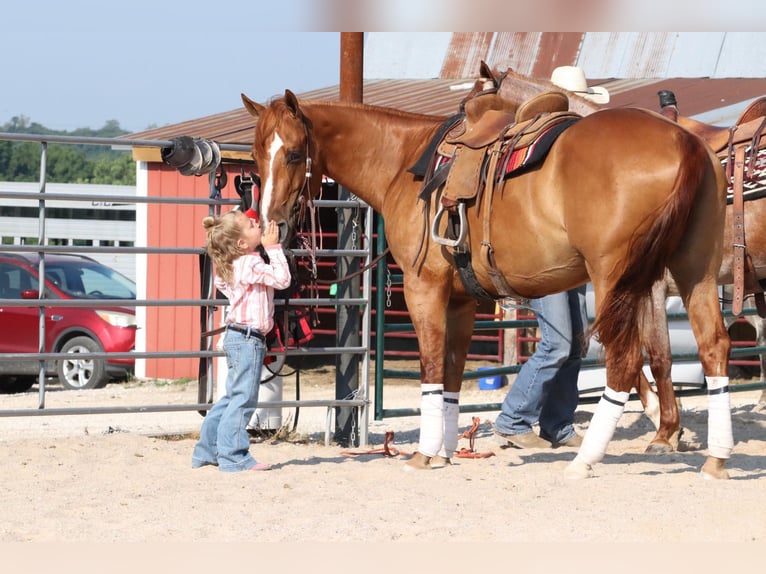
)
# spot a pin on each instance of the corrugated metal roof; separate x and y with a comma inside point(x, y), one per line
point(695, 96)
point(418, 96)
point(607, 55)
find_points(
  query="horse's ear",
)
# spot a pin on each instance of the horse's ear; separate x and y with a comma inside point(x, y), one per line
point(292, 103)
point(254, 108)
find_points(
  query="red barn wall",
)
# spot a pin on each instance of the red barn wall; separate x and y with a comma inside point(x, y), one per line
point(175, 276)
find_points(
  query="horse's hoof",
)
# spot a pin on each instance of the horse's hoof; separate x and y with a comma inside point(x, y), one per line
point(418, 461)
point(713, 469)
point(659, 447)
point(577, 470)
point(439, 461)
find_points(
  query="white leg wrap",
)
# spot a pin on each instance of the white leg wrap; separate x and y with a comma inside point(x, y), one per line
point(602, 425)
point(720, 440)
point(431, 419)
point(451, 413)
point(652, 409)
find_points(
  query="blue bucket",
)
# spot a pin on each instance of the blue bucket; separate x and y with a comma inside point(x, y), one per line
point(490, 383)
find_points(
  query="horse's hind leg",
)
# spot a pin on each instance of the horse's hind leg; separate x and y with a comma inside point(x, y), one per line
point(714, 345)
point(656, 343)
point(623, 363)
point(621, 375)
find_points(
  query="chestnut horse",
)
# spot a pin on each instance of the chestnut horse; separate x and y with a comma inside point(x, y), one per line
point(509, 89)
point(623, 195)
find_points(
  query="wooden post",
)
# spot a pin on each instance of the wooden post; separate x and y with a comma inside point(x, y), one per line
point(347, 316)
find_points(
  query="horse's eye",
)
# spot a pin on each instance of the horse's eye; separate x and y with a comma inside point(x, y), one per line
point(294, 156)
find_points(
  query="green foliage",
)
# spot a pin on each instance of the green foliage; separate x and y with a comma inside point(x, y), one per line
point(66, 163)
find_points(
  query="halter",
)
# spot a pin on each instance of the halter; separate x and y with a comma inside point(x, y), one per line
point(307, 179)
point(305, 202)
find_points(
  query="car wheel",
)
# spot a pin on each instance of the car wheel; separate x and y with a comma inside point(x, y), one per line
point(77, 373)
point(16, 384)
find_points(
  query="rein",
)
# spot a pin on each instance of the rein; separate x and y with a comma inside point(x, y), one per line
point(355, 273)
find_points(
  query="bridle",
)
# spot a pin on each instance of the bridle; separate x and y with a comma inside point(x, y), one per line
point(305, 199)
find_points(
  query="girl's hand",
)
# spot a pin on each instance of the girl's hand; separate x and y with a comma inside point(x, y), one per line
point(270, 234)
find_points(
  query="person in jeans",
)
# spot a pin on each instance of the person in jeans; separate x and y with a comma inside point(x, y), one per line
point(249, 266)
point(545, 389)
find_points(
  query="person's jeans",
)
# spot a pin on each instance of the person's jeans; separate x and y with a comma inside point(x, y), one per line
point(545, 389)
point(224, 440)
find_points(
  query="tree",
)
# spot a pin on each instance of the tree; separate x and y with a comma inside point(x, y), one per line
point(67, 163)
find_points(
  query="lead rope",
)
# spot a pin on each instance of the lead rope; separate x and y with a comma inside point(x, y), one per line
point(388, 450)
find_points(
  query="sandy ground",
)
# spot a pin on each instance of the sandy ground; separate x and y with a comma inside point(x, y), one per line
point(127, 478)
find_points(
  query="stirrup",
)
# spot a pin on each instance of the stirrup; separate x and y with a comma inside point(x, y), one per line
point(435, 226)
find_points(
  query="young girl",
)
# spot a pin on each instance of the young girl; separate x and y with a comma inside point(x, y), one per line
point(248, 282)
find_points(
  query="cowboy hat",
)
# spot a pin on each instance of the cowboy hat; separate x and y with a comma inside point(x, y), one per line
point(572, 78)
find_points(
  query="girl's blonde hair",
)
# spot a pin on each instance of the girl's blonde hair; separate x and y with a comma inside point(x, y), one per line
point(223, 234)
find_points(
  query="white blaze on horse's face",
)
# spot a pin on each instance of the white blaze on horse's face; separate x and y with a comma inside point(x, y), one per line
point(268, 187)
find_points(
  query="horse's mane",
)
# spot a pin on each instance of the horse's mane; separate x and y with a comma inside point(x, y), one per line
point(371, 107)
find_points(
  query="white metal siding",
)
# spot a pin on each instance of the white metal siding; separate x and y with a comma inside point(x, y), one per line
point(742, 55)
point(94, 230)
point(406, 55)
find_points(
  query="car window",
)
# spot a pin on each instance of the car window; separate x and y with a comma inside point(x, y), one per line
point(90, 280)
point(14, 280)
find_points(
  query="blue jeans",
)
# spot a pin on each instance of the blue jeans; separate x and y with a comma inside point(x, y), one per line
point(545, 389)
point(224, 440)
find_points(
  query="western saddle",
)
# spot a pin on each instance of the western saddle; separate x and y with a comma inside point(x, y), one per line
point(743, 154)
point(474, 156)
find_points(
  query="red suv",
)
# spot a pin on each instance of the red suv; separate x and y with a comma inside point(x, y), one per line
point(67, 329)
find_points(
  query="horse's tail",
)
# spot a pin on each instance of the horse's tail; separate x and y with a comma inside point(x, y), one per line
point(651, 248)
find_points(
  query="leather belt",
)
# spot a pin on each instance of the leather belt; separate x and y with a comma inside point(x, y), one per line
point(247, 331)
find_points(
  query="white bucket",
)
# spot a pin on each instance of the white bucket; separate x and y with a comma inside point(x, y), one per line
point(270, 391)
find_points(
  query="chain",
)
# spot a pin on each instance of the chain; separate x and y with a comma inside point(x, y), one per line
point(352, 434)
point(507, 303)
point(388, 287)
point(351, 396)
point(354, 220)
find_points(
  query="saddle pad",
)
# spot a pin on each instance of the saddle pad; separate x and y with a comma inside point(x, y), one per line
point(420, 168)
point(514, 161)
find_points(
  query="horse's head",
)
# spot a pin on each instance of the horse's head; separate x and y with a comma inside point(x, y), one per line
point(286, 159)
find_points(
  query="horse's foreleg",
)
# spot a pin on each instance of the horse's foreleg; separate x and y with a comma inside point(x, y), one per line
point(460, 320)
point(431, 438)
point(451, 412)
point(443, 338)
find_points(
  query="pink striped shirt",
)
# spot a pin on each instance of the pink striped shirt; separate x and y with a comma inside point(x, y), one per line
point(251, 296)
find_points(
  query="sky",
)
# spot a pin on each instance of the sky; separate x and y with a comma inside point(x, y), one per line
point(70, 64)
point(80, 63)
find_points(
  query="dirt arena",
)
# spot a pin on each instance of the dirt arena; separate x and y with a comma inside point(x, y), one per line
point(127, 478)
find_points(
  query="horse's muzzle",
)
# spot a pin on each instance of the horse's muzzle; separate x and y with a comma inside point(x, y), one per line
point(284, 232)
